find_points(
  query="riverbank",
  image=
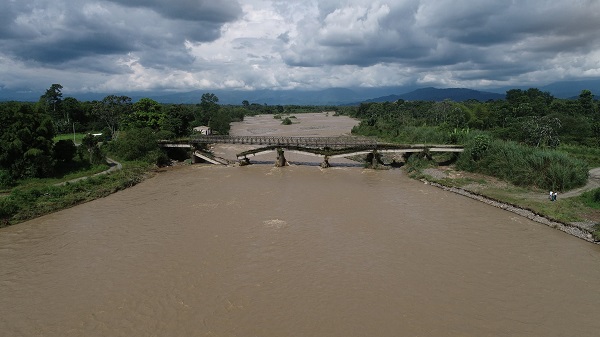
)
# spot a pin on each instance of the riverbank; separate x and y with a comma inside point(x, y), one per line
point(517, 200)
point(29, 202)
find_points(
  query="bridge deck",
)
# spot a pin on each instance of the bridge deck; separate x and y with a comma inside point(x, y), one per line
point(315, 142)
point(323, 146)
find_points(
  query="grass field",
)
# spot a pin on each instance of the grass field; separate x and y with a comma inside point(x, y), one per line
point(77, 137)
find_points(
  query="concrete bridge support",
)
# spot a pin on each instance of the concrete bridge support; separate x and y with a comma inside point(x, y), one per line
point(373, 159)
point(244, 161)
point(281, 161)
point(325, 163)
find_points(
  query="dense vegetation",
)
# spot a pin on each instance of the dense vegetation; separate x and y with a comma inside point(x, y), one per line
point(521, 139)
point(530, 139)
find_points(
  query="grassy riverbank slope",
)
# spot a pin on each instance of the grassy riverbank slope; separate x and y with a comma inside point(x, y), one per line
point(579, 208)
point(34, 198)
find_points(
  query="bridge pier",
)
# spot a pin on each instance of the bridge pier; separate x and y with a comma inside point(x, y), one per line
point(244, 161)
point(325, 163)
point(373, 159)
point(281, 161)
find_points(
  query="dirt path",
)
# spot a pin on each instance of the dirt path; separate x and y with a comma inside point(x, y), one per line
point(593, 182)
point(114, 166)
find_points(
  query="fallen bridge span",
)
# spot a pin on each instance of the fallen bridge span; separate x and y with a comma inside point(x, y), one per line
point(325, 147)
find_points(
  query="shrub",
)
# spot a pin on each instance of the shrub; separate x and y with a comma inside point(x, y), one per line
point(523, 165)
point(6, 179)
point(479, 146)
point(139, 144)
point(592, 198)
point(417, 162)
point(64, 150)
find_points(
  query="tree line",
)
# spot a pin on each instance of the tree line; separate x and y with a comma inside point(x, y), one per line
point(27, 130)
point(527, 116)
point(514, 139)
point(130, 129)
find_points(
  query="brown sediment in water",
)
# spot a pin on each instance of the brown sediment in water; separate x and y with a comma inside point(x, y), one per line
point(294, 251)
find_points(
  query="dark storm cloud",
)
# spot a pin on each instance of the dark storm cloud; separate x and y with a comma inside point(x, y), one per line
point(57, 32)
point(193, 10)
point(291, 43)
point(6, 16)
point(61, 49)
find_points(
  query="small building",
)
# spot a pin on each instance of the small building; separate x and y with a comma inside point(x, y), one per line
point(203, 130)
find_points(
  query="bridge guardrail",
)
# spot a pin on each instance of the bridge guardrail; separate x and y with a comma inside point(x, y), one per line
point(332, 142)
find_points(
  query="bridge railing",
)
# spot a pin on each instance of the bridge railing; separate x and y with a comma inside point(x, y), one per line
point(332, 142)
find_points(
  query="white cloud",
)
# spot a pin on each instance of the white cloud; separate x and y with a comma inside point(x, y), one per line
point(121, 45)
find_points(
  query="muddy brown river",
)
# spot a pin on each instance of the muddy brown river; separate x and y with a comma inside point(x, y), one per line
point(296, 251)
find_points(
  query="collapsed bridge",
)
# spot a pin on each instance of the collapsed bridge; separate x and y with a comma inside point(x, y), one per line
point(325, 147)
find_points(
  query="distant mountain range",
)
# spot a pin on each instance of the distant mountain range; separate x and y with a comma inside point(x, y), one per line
point(332, 96)
point(434, 94)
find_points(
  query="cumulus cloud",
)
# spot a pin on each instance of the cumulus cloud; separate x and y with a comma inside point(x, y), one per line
point(251, 44)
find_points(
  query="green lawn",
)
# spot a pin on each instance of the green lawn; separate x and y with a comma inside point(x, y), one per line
point(78, 136)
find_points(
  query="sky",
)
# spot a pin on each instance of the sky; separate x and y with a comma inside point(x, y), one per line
point(184, 45)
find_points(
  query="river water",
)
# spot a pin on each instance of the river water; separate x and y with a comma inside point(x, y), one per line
point(295, 251)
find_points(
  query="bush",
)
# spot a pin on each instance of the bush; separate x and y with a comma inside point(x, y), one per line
point(286, 121)
point(6, 179)
point(417, 162)
point(596, 231)
point(592, 198)
point(64, 150)
point(523, 165)
point(8, 207)
point(139, 144)
point(479, 145)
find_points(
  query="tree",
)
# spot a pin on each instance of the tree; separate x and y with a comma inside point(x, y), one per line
point(74, 109)
point(95, 155)
point(178, 120)
point(529, 102)
point(111, 110)
point(586, 102)
point(26, 141)
point(541, 132)
point(140, 144)
point(147, 113)
point(64, 150)
point(53, 97)
point(209, 103)
point(52, 103)
point(212, 115)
